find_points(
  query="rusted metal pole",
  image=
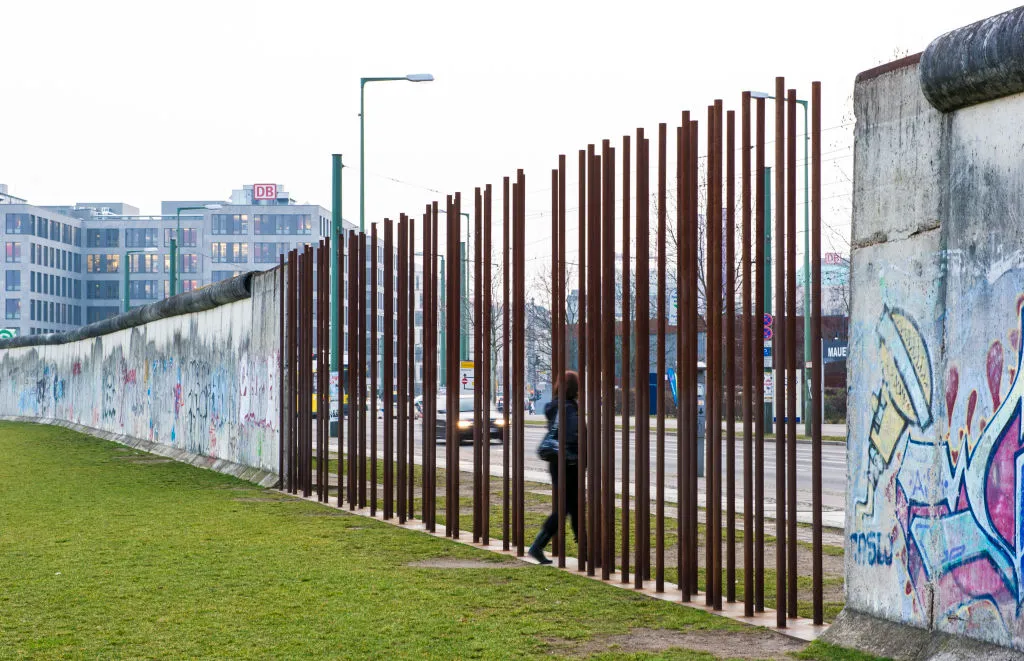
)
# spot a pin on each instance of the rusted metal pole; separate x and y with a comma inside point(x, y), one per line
point(451, 340)
point(748, 369)
point(353, 367)
point(558, 483)
point(791, 334)
point(506, 334)
point(281, 366)
point(779, 353)
point(388, 385)
point(402, 364)
point(816, 383)
point(558, 334)
point(519, 228)
point(709, 376)
point(643, 356)
point(478, 410)
point(662, 321)
point(323, 378)
point(411, 373)
point(590, 389)
point(608, 332)
point(339, 306)
point(360, 472)
point(694, 252)
point(684, 408)
point(291, 392)
point(485, 284)
point(625, 365)
point(427, 429)
point(307, 377)
point(455, 283)
point(730, 354)
point(759, 311)
point(582, 503)
point(373, 366)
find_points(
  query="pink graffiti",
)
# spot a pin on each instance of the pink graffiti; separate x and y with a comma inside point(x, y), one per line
point(994, 371)
point(178, 400)
point(128, 376)
point(76, 368)
point(952, 386)
point(1001, 485)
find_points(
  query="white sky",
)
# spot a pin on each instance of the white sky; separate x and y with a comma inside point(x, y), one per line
point(140, 102)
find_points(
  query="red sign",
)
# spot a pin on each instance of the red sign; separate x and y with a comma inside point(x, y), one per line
point(833, 258)
point(264, 191)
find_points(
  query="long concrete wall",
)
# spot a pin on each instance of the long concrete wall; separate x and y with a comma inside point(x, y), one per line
point(201, 386)
point(935, 503)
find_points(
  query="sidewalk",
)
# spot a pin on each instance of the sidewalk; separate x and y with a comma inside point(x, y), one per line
point(828, 431)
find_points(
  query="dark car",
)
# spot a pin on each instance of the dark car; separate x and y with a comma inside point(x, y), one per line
point(496, 422)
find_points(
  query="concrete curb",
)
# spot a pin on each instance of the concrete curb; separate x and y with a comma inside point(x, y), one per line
point(902, 642)
point(247, 473)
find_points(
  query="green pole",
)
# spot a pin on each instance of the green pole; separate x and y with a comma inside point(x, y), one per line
point(807, 412)
point(464, 303)
point(362, 159)
point(443, 345)
point(175, 242)
point(124, 306)
point(336, 220)
point(768, 406)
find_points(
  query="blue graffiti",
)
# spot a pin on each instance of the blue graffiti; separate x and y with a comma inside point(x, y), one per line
point(868, 549)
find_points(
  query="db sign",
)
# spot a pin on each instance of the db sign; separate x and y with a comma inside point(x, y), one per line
point(264, 191)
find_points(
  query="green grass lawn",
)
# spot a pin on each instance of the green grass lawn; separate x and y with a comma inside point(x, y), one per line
point(107, 552)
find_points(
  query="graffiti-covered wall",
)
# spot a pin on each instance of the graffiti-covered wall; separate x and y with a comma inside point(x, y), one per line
point(935, 507)
point(205, 383)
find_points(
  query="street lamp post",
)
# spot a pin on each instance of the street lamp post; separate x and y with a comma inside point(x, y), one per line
point(177, 240)
point(413, 78)
point(807, 262)
point(125, 304)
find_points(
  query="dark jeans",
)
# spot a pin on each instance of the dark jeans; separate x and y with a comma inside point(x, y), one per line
point(551, 524)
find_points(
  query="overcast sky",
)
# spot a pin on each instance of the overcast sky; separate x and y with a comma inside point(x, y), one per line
point(141, 102)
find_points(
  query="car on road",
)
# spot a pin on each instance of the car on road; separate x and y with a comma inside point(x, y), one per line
point(495, 422)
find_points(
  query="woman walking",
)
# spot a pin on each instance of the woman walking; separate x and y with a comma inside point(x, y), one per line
point(569, 435)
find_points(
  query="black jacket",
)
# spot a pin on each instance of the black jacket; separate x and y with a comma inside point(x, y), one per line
point(571, 424)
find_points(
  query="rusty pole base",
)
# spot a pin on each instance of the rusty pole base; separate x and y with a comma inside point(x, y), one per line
point(800, 628)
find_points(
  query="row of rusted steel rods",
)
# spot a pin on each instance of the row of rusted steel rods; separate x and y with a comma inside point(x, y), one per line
point(597, 331)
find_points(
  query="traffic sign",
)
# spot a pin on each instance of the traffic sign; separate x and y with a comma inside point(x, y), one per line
point(768, 332)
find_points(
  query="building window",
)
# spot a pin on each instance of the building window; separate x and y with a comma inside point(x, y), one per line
point(217, 276)
point(94, 314)
point(77, 232)
point(276, 223)
point(13, 251)
point(102, 263)
point(146, 263)
point(104, 289)
point(188, 237)
point(42, 228)
point(78, 289)
point(12, 280)
point(268, 253)
point(227, 223)
point(13, 309)
point(144, 289)
point(105, 238)
point(54, 230)
point(186, 285)
point(230, 253)
point(141, 237)
point(18, 223)
point(65, 235)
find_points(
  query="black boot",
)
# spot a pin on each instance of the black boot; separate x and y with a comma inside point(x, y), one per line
point(537, 549)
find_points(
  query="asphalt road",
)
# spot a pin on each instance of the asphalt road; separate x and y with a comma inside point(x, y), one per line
point(833, 469)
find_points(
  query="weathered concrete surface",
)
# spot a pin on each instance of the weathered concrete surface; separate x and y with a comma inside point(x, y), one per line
point(897, 183)
point(201, 387)
point(979, 62)
point(935, 504)
point(900, 643)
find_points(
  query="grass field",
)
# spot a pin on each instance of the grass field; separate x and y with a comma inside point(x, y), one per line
point(106, 552)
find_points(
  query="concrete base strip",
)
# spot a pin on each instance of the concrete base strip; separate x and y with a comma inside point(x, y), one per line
point(799, 628)
point(242, 472)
